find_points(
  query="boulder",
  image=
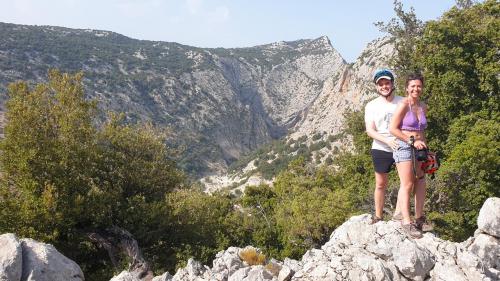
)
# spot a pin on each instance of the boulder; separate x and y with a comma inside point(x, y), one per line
point(227, 262)
point(285, 274)
point(487, 248)
point(488, 220)
point(240, 274)
point(194, 270)
point(413, 261)
point(257, 273)
point(10, 258)
point(447, 272)
point(42, 262)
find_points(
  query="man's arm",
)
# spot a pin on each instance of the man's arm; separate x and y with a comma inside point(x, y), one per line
point(371, 131)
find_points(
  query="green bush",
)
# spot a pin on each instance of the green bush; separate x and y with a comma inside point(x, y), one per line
point(64, 177)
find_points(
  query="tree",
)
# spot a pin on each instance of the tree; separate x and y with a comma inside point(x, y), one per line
point(464, 4)
point(200, 225)
point(459, 57)
point(64, 178)
point(310, 199)
point(467, 178)
point(404, 31)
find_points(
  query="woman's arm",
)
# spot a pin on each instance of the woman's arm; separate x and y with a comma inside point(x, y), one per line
point(396, 120)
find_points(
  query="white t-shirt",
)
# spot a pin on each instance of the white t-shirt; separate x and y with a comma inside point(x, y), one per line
point(380, 112)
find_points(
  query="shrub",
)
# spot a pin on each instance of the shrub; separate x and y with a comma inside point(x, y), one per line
point(251, 256)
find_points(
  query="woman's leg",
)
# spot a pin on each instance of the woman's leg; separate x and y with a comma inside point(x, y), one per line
point(420, 189)
point(406, 178)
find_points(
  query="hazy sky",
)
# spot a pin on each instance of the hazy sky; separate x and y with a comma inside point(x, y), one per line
point(224, 23)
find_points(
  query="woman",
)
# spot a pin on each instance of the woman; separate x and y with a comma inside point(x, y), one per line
point(407, 125)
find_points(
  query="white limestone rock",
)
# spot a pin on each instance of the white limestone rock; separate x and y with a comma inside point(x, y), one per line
point(10, 258)
point(227, 262)
point(258, 273)
point(447, 272)
point(488, 220)
point(285, 274)
point(240, 274)
point(487, 248)
point(42, 262)
point(372, 267)
point(164, 277)
point(294, 265)
point(413, 261)
point(194, 270)
point(125, 276)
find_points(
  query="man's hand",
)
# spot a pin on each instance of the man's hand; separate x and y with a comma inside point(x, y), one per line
point(393, 144)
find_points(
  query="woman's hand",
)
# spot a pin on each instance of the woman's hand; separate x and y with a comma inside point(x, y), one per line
point(419, 144)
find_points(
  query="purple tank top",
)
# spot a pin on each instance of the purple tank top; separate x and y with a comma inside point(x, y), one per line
point(412, 123)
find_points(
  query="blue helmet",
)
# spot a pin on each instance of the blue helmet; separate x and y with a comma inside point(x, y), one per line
point(383, 74)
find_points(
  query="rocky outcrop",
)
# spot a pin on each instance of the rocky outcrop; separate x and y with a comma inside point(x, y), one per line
point(26, 260)
point(358, 250)
point(348, 88)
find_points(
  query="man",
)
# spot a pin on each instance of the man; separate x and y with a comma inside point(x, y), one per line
point(378, 114)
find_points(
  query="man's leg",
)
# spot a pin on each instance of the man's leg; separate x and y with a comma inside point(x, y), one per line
point(379, 194)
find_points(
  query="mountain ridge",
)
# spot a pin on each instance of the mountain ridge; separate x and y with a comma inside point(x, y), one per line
point(220, 103)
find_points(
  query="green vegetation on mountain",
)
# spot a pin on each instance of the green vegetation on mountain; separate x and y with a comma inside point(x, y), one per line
point(270, 159)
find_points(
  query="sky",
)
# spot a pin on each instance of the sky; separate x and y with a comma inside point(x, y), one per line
point(224, 23)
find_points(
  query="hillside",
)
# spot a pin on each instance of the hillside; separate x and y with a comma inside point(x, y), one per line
point(220, 103)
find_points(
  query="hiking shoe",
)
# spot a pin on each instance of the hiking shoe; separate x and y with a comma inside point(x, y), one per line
point(423, 225)
point(375, 219)
point(411, 231)
point(397, 217)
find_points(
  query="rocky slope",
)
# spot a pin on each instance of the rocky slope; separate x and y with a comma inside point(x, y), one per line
point(356, 251)
point(320, 124)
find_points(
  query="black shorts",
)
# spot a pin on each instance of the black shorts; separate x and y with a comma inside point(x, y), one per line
point(382, 160)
